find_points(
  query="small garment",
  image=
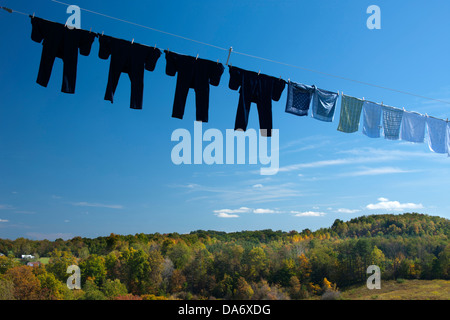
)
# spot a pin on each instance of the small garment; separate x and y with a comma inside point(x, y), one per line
point(350, 114)
point(437, 134)
point(371, 119)
point(448, 138)
point(130, 58)
point(324, 104)
point(193, 73)
point(392, 120)
point(258, 88)
point(299, 98)
point(413, 127)
point(59, 41)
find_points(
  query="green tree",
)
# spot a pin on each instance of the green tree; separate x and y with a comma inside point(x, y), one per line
point(59, 262)
point(114, 288)
point(94, 268)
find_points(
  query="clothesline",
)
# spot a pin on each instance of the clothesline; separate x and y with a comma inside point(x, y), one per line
point(230, 50)
point(254, 87)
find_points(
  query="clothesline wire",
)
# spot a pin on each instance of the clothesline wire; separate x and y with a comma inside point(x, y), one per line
point(249, 55)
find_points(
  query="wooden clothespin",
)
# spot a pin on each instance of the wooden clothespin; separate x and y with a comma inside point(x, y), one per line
point(196, 58)
point(103, 32)
point(155, 45)
point(33, 14)
point(132, 41)
point(217, 61)
point(90, 30)
point(259, 72)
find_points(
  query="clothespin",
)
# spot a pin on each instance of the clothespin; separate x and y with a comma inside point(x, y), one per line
point(217, 61)
point(33, 14)
point(196, 58)
point(90, 30)
point(338, 92)
point(259, 72)
point(289, 80)
point(155, 45)
point(103, 32)
point(132, 41)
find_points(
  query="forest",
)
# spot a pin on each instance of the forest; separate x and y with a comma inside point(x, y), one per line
point(257, 265)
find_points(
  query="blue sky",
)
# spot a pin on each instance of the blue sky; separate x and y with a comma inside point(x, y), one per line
point(78, 165)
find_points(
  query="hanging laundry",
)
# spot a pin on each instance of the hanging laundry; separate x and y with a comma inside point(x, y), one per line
point(413, 127)
point(371, 119)
point(350, 114)
point(392, 119)
point(299, 98)
point(324, 104)
point(61, 42)
point(193, 73)
point(448, 138)
point(437, 134)
point(258, 88)
point(130, 58)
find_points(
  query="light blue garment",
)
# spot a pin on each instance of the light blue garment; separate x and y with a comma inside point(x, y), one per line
point(350, 114)
point(437, 135)
point(448, 138)
point(392, 120)
point(324, 104)
point(413, 127)
point(371, 119)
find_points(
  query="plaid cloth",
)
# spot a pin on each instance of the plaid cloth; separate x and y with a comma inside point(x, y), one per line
point(392, 120)
point(350, 114)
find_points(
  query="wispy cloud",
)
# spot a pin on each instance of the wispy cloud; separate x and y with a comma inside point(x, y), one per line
point(344, 210)
point(228, 211)
point(6, 207)
point(97, 205)
point(258, 185)
point(308, 214)
point(385, 204)
point(376, 171)
point(3, 220)
point(25, 212)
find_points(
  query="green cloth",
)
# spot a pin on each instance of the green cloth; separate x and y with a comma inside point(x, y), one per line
point(350, 114)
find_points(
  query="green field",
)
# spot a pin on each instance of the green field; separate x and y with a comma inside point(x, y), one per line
point(402, 290)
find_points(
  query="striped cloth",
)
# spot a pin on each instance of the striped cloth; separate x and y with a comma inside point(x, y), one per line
point(350, 114)
point(392, 120)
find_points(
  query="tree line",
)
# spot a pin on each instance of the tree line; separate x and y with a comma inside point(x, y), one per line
point(263, 264)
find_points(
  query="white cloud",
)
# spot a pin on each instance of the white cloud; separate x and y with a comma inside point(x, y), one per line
point(308, 214)
point(263, 211)
point(6, 207)
point(385, 204)
point(226, 215)
point(344, 210)
point(229, 211)
point(259, 185)
point(97, 205)
point(2, 220)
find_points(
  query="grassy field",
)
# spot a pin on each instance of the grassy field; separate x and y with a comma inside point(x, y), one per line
point(402, 290)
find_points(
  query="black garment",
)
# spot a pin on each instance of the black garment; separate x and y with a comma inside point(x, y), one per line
point(258, 88)
point(60, 42)
point(193, 73)
point(130, 58)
